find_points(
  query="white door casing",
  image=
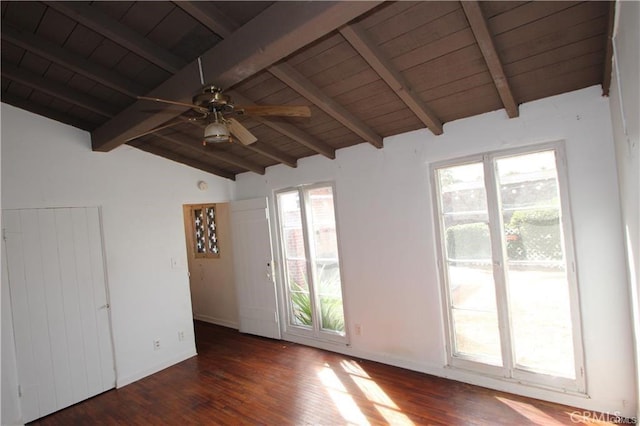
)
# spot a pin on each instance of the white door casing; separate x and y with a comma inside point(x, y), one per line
point(253, 264)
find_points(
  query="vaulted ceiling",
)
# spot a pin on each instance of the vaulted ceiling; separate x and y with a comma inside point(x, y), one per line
point(366, 69)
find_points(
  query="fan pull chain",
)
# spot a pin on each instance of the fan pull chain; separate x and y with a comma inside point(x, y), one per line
point(201, 74)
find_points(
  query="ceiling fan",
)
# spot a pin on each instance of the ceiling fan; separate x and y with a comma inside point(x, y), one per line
point(217, 111)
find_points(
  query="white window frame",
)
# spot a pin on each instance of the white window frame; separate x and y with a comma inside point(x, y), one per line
point(509, 371)
point(315, 332)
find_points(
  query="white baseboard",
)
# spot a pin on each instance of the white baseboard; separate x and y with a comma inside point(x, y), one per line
point(216, 321)
point(434, 369)
point(124, 381)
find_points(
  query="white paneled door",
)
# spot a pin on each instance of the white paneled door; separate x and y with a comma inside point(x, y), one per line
point(253, 264)
point(60, 307)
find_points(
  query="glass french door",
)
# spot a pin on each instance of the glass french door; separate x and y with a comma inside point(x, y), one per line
point(507, 265)
point(311, 264)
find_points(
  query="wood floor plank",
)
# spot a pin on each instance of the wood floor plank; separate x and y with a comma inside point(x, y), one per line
point(243, 379)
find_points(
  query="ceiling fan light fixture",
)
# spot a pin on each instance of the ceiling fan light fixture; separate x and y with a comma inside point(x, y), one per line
point(216, 132)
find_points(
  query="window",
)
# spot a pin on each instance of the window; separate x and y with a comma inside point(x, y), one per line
point(204, 233)
point(510, 290)
point(311, 265)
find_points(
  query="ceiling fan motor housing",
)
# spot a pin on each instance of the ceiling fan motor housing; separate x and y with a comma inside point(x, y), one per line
point(213, 99)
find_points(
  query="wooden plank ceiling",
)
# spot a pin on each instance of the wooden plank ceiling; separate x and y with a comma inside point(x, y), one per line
point(366, 69)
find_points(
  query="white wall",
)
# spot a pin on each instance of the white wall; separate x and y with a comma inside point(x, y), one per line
point(48, 164)
point(625, 116)
point(387, 239)
point(9, 403)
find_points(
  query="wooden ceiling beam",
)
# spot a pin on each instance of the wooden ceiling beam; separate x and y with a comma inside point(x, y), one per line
point(487, 47)
point(300, 136)
point(359, 40)
point(93, 19)
point(72, 61)
point(57, 90)
point(209, 16)
point(292, 78)
point(268, 150)
point(170, 155)
point(289, 130)
point(187, 142)
point(283, 28)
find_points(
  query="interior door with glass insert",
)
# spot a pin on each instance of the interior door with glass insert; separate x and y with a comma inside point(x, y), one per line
point(512, 302)
point(311, 264)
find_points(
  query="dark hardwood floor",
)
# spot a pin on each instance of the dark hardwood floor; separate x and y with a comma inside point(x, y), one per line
point(242, 379)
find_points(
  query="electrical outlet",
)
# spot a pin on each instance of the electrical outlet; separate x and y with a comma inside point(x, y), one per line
point(156, 344)
point(358, 330)
point(180, 336)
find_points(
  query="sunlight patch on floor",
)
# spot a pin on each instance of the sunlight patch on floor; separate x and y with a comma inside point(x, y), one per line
point(353, 368)
point(530, 412)
point(374, 393)
point(343, 401)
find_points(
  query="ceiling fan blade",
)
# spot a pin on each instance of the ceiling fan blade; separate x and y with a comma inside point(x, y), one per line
point(240, 132)
point(155, 129)
point(276, 110)
point(165, 101)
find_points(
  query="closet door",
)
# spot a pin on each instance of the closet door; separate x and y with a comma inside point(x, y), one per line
point(60, 307)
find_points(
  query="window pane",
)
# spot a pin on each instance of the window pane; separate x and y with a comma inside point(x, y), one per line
point(199, 231)
point(536, 268)
point(462, 194)
point(330, 295)
point(325, 252)
point(294, 243)
point(471, 287)
point(295, 259)
point(323, 224)
point(297, 274)
point(301, 308)
point(211, 230)
point(477, 335)
point(290, 210)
